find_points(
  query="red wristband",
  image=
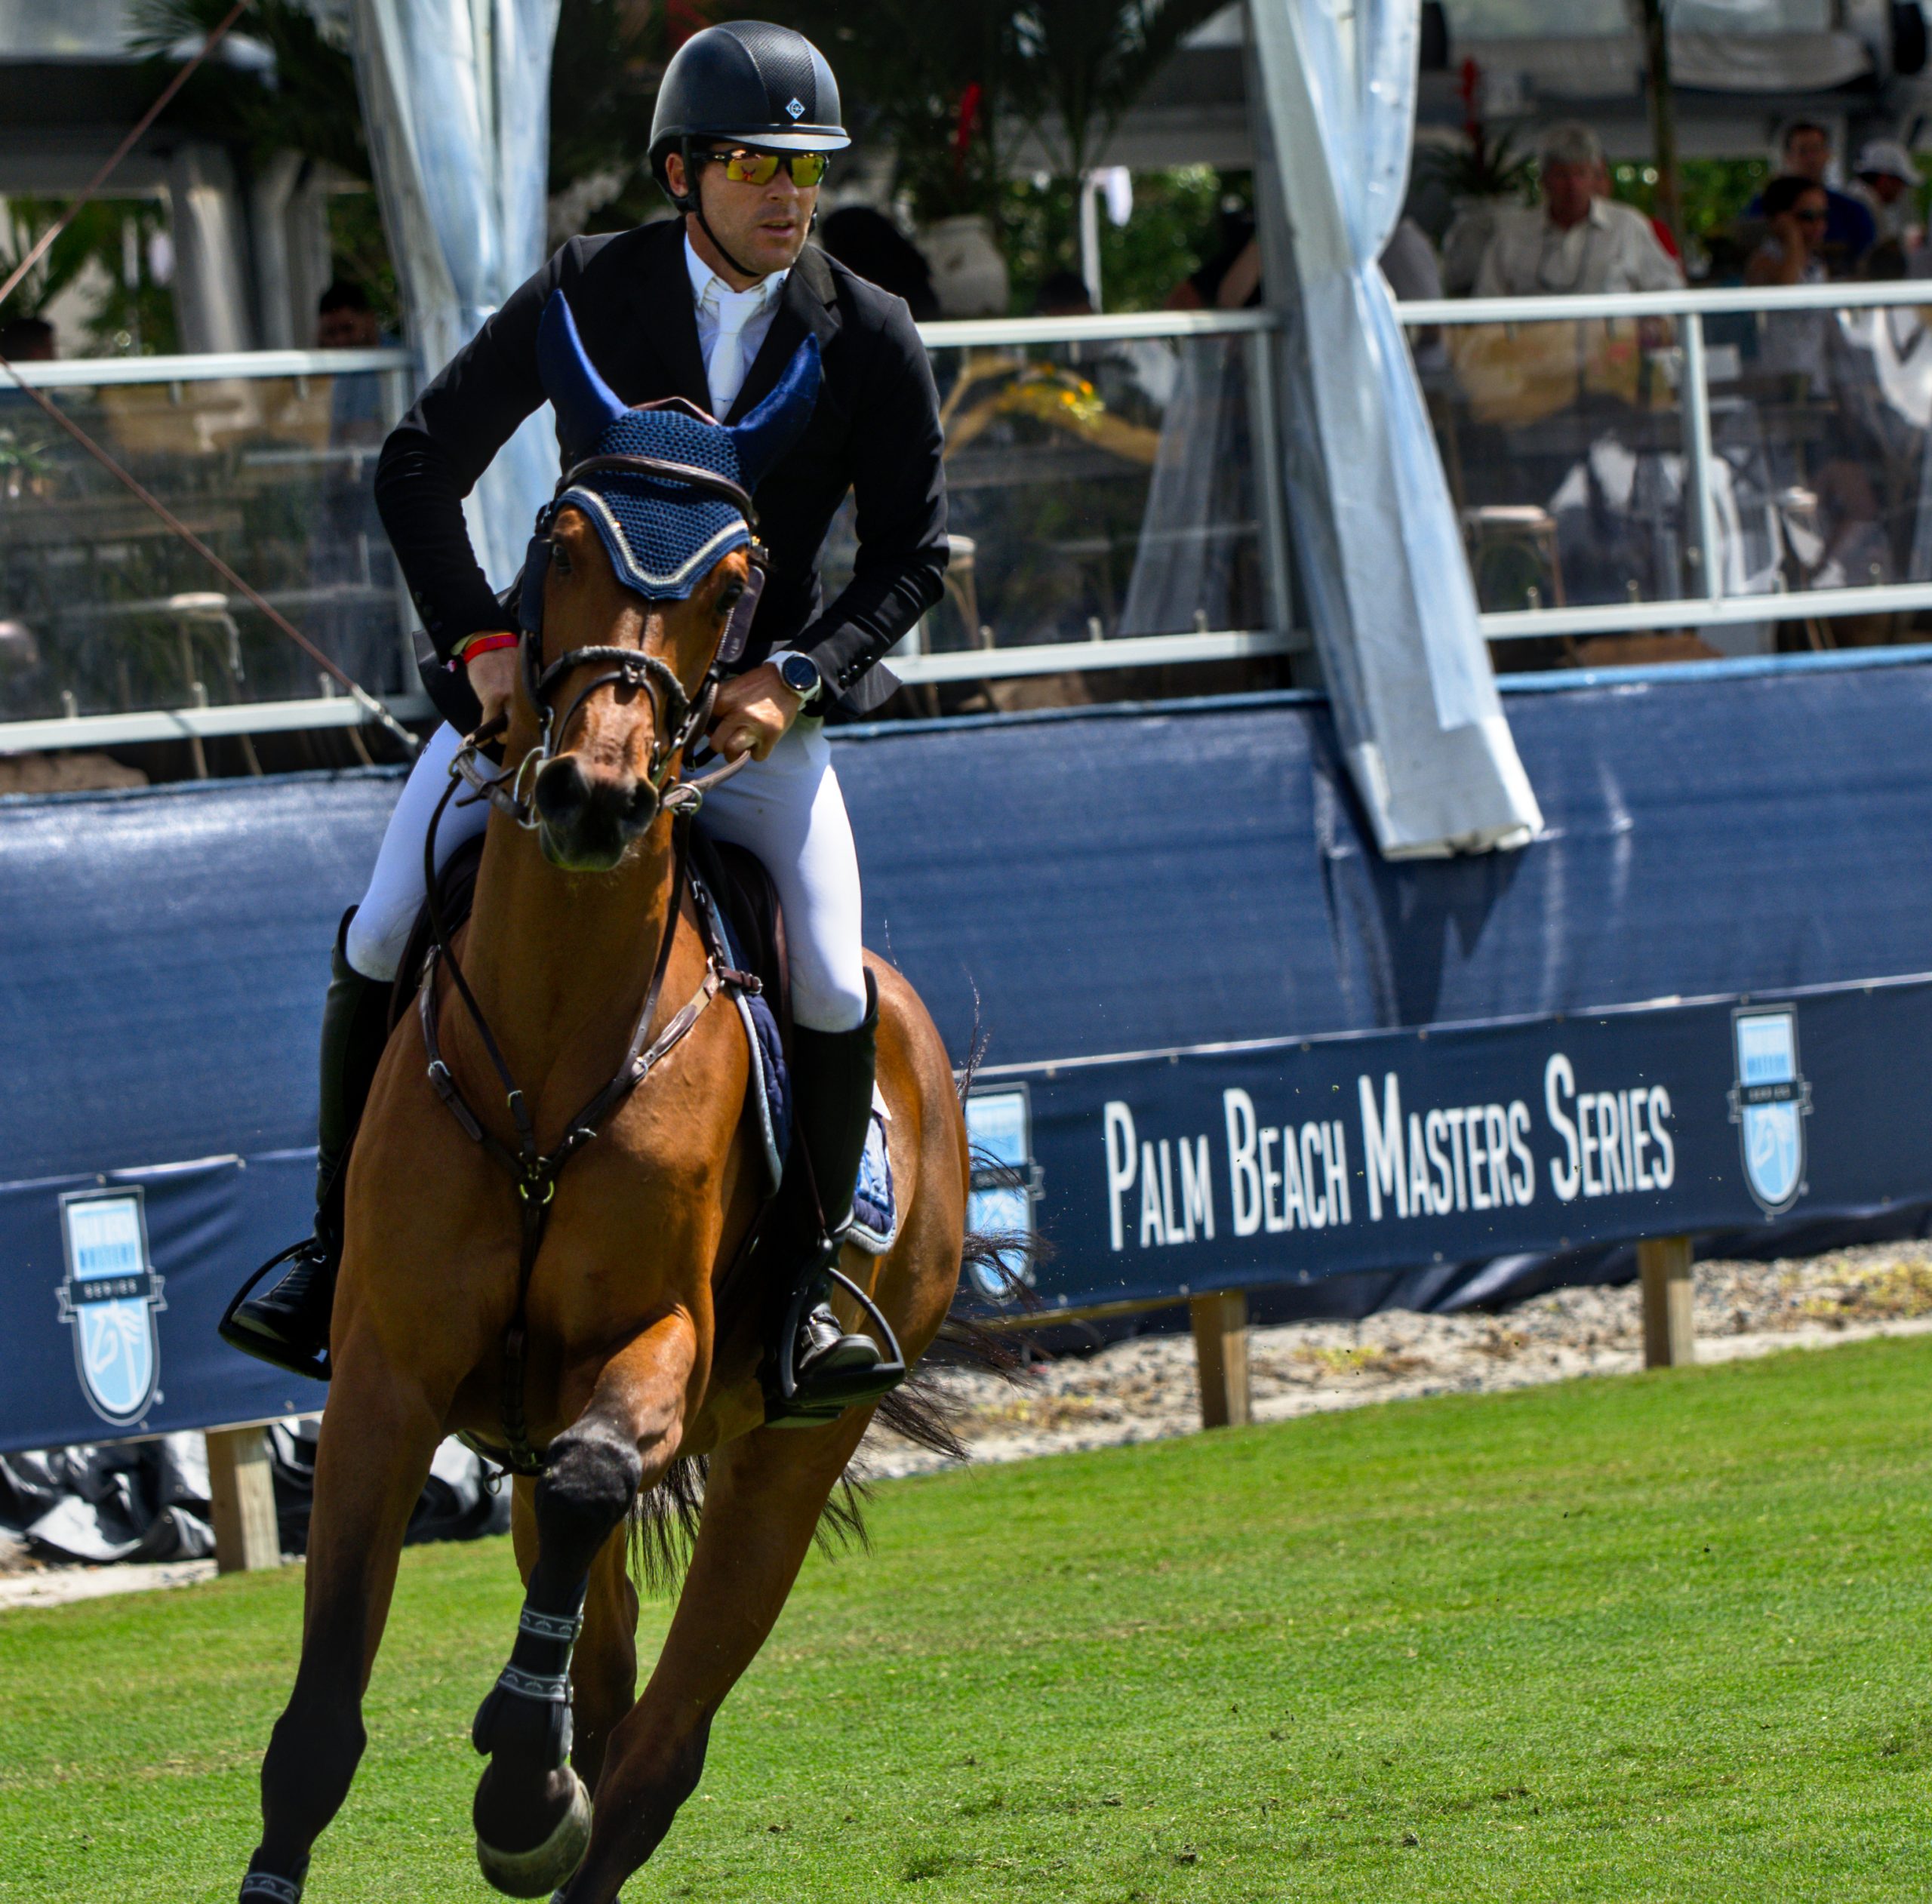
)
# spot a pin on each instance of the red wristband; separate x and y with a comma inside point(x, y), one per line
point(485, 644)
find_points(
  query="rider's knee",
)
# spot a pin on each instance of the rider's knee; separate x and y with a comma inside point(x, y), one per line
point(827, 1001)
point(373, 946)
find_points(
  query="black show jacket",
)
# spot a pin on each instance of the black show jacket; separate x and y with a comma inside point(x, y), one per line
point(875, 432)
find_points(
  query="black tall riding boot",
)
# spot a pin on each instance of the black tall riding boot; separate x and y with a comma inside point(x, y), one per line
point(288, 1324)
point(833, 1077)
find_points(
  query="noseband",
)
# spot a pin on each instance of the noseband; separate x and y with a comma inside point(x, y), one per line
point(677, 720)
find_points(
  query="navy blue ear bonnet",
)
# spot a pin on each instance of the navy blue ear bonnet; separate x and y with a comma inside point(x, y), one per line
point(662, 536)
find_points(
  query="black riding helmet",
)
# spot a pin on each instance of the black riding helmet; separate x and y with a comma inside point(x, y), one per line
point(747, 81)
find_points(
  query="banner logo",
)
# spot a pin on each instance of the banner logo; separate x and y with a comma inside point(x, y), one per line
point(1006, 1186)
point(108, 1297)
point(1769, 1103)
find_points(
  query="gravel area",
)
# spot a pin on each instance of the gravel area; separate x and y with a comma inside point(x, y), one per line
point(1145, 1388)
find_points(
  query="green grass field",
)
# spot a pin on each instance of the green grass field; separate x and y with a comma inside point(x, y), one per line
point(1658, 1637)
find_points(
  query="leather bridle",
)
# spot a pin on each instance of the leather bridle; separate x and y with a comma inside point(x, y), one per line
point(679, 720)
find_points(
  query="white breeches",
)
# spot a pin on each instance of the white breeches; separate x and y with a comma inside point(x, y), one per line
point(787, 809)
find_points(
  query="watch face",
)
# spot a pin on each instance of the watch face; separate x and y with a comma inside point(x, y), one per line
point(799, 674)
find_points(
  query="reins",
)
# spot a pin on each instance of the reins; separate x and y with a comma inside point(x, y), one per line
point(533, 1171)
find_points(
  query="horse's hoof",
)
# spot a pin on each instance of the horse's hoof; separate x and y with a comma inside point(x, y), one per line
point(547, 1867)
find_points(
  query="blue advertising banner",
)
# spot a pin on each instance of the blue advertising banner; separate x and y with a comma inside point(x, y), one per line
point(1158, 1173)
point(1197, 977)
point(113, 1284)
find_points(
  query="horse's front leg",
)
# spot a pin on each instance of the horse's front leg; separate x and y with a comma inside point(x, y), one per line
point(604, 1668)
point(532, 1811)
point(761, 1506)
point(378, 1435)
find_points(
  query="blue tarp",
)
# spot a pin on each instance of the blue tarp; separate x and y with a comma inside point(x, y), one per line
point(1083, 884)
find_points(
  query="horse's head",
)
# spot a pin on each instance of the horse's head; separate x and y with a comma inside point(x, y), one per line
point(641, 577)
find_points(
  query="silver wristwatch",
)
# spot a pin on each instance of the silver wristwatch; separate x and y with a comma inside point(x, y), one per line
point(800, 674)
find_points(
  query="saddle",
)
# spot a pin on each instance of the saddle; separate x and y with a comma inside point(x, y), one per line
point(745, 907)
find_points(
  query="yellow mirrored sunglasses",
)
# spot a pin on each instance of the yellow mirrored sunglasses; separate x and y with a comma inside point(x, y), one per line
point(744, 168)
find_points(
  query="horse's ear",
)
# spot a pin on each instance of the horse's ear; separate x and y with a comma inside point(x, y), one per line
point(778, 423)
point(585, 404)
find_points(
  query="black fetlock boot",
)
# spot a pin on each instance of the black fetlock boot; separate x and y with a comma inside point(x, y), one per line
point(288, 1324)
point(817, 1369)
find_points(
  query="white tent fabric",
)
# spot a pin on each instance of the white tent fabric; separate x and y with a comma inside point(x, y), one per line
point(1382, 562)
point(456, 95)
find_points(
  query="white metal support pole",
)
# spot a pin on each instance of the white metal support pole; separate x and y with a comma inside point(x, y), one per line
point(396, 386)
point(1700, 455)
point(1263, 399)
point(1090, 236)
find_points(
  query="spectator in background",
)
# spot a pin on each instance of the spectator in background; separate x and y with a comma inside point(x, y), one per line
point(28, 340)
point(1579, 240)
point(1063, 294)
point(1805, 153)
point(1887, 186)
point(1408, 262)
point(1798, 215)
point(1229, 281)
point(345, 319)
point(349, 569)
point(867, 241)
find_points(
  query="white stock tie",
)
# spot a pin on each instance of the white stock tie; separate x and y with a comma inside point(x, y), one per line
point(725, 373)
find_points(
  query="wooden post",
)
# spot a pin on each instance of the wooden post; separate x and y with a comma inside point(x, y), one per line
point(1663, 1266)
point(241, 1494)
point(1220, 1351)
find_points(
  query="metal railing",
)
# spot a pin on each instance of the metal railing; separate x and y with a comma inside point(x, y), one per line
point(111, 631)
point(1721, 460)
point(1115, 486)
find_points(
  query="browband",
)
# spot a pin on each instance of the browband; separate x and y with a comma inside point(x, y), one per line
point(663, 470)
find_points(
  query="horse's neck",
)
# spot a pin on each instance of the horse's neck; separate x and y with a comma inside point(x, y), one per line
point(552, 954)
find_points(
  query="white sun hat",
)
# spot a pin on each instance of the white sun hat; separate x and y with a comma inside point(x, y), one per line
point(1887, 159)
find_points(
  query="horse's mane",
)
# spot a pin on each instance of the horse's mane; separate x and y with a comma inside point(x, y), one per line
point(664, 1522)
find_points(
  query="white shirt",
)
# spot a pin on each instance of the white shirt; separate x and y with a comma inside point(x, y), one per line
point(722, 310)
point(1614, 249)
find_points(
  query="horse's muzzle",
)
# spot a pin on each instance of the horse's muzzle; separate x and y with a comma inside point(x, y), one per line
point(588, 821)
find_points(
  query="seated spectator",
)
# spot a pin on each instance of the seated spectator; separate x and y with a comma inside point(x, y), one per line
point(1887, 186)
point(27, 341)
point(345, 319)
point(867, 241)
point(1063, 294)
point(1805, 153)
point(1793, 342)
point(1231, 280)
point(1408, 263)
point(1579, 240)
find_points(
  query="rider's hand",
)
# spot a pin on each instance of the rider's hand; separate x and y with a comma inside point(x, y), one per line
point(752, 712)
point(493, 676)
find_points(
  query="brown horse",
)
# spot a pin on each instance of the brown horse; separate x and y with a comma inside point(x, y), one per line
point(629, 1366)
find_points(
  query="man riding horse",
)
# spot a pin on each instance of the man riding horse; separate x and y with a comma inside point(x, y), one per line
point(710, 308)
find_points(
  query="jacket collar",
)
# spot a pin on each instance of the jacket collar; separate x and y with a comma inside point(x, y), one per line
point(665, 315)
point(809, 305)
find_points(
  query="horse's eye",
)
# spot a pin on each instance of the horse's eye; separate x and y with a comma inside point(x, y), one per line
point(729, 596)
point(560, 558)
